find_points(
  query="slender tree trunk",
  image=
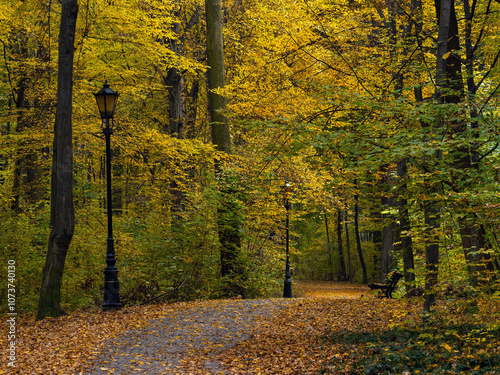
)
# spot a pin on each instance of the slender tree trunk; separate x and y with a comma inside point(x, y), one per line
point(330, 273)
point(343, 273)
point(177, 113)
point(358, 238)
point(390, 227)
point(175, 83)
point(404, 243)
point(432, 224)
point(348, 246)
point(432, 219)
point(182, 117)
point(176, 102)
point(62, 217)
point(377, 220)
point(474, 245)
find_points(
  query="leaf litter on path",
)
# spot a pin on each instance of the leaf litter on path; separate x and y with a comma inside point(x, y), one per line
point(203, 330)
point(267, 336)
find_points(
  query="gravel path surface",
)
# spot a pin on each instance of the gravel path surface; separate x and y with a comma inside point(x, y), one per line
point(204, 329)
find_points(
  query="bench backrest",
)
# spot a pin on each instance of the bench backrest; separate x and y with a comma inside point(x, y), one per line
point(394, 280)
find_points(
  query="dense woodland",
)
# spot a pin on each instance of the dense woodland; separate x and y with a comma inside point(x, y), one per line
point(383, 115)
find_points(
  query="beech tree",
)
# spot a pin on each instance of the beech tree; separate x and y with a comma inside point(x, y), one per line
point(62, 214)
point(228, 210)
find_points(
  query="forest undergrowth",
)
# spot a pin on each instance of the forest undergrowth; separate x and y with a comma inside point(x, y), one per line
point(336, 328)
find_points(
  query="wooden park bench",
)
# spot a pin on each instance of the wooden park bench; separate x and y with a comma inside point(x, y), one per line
point(389, 286)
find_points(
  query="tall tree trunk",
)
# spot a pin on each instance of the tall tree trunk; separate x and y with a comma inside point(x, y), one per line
point(175, 83)
point(348, 246)
point(228, 211)
point(62, 215)
point(343, 273)
point(217, 104)
point(330, 273)
point(390, 227)
point(177, 113)
point(375, 207)
point(356, 231)
point(432, 219)
point(182, 116)
point(404, 243)
point(445, 70)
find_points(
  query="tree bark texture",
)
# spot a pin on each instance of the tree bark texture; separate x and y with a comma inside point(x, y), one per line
point(228, 211)
point(217, 104)
point(62, 215)
point(176, 102)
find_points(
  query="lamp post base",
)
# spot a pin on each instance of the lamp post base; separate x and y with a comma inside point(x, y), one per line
point(111, 289)
point(287, 290)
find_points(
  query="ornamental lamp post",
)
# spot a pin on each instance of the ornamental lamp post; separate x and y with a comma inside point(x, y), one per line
point(106, 101)
point(286, 191)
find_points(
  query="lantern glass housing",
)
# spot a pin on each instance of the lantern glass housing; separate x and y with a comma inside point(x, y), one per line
point(286, 189)
point(106, 101)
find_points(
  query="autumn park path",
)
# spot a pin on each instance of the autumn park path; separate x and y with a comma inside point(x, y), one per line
point(202, 330)
point(331, 328)
point(190, 339)
point(266, 336)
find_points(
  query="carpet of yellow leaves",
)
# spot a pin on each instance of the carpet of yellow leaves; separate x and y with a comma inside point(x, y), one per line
point(293, 340)
point(67, 344)
point(64, 345)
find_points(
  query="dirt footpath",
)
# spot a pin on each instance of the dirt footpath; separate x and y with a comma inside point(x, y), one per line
point(203, 330)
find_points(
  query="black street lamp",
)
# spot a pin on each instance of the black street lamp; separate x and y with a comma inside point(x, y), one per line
point(106, 101)
point(287, 290)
